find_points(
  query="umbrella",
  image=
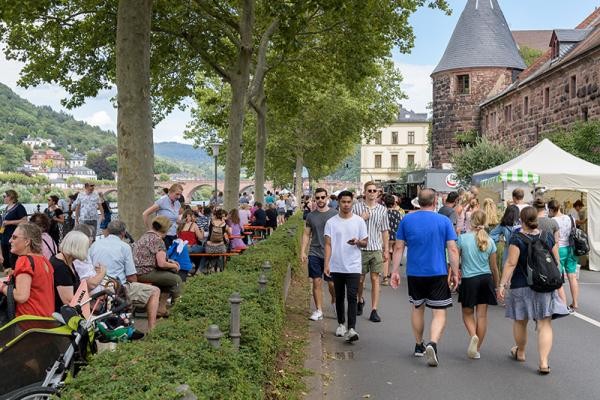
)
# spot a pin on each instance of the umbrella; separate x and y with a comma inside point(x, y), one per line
point(517, 175)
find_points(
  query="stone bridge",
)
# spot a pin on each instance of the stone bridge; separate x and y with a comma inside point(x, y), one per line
point(192, 186)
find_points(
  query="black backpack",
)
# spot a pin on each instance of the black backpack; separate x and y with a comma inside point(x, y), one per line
point(578, 239)
point(542, 271)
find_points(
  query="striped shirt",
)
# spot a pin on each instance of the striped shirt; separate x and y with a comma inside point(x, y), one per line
point(376, 224)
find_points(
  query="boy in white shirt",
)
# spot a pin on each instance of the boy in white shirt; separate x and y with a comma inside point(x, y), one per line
point(344, 234)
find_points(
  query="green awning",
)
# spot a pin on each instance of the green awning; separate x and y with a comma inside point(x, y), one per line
point(517, 175)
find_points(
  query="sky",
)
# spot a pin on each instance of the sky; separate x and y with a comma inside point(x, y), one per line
point(432, 29)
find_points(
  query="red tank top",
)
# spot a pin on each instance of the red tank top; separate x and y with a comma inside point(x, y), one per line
point(190, 236)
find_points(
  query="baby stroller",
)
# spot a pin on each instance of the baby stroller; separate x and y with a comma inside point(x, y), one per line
point(42, 352)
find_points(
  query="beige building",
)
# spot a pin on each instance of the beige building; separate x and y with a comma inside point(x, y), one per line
point(396, 147)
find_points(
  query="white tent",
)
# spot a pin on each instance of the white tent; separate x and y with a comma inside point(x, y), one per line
point(560, 170)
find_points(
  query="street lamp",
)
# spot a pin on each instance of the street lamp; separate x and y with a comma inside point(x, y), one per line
point(215, 150)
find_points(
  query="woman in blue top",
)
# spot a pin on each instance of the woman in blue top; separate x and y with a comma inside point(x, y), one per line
point(508, 225)
point(522, 302)
point(479, 279)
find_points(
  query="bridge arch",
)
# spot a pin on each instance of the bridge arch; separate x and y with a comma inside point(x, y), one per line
point(109, 191)
point(251, 186)
point(188, 191)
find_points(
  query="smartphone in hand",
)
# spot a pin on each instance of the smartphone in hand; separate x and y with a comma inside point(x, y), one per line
point(351, 242)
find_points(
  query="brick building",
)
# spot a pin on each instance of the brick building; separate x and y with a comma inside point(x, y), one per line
point(482, 83)
point(47, 158)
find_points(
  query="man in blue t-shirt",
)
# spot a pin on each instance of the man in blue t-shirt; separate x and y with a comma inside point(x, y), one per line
point(427, 235)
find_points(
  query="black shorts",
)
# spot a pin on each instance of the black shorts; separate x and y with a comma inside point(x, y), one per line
point(477, 290)
point(433, 291)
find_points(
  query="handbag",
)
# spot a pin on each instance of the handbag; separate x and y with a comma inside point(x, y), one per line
point(7, 303)
point(578, 239)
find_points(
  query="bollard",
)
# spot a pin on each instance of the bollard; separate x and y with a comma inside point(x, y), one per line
point(213, 334)
point(234, 326)
point(266, 266)
point(186, 392)
point(262, 282)
point(39, 209)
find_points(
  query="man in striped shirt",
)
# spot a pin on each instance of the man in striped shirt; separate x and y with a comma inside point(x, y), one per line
point(377, 250)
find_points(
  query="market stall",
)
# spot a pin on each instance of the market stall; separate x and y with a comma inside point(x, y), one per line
point(558, 170)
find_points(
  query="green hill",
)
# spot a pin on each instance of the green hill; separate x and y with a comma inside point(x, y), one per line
point(19, 119)
point(184, 153)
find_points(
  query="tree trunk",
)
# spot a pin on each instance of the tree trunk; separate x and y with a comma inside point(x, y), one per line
point(298, 170)
point(240, 78)
point(261, 145)
point(134, 119)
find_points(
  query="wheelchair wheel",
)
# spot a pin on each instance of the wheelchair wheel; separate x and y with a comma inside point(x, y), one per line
point(34, 393)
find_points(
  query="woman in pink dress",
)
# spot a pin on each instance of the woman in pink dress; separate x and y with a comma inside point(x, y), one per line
point(236, 229)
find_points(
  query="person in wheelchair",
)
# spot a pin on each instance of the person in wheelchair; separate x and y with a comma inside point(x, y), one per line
point(33, 275)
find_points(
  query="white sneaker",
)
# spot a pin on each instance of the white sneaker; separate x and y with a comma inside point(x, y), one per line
point(472, 349)
point(341, 330)
point(317, 315)
point(476, 356)
point(351, 336)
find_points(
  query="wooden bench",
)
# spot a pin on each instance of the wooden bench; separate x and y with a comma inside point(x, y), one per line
point(224, 255)
point(260, 232)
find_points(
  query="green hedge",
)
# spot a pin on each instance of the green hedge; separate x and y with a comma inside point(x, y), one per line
point(176, 352)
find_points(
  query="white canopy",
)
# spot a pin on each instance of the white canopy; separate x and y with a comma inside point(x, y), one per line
point(560, 170)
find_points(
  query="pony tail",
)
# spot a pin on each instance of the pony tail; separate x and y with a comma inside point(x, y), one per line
point(483, 240)
point(478, 220)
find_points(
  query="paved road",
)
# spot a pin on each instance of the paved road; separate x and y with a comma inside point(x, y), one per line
point(381, 366)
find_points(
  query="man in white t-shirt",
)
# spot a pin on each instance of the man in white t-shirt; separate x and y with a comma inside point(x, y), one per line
point(345, 233)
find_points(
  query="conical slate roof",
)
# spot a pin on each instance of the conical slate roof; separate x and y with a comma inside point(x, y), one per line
point(481, 38)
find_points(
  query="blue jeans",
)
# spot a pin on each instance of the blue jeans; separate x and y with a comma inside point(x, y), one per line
point(198, 248)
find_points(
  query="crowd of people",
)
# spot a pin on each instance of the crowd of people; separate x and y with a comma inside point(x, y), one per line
point(48, 262)
point(448, 248)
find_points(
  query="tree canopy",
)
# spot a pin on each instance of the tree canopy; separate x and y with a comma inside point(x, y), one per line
point(479, 156)
point(581, 140)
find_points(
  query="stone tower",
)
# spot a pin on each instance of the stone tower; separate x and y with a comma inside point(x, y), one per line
point(480, 60)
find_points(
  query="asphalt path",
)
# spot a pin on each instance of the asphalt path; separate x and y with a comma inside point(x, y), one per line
point(381, 365)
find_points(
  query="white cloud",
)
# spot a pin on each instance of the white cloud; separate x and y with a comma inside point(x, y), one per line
point(171, 128)
point(101, 119)
point(416, 84)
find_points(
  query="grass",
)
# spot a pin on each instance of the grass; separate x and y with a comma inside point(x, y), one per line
point(287, 380)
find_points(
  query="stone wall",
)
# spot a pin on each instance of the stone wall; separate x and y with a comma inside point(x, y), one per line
point(453, 112)
point(564, 108)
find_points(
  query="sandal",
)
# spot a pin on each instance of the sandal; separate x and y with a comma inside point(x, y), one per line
point(544, 371)
point(386, 281)
point(514, 353)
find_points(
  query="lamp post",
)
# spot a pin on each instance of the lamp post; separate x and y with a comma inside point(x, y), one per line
point(215, 150)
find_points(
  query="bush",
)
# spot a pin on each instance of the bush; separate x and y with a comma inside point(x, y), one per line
point(176, 352)
point(480, 156)
point(582, 140)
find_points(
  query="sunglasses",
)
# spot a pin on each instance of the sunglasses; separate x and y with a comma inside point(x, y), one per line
point(372, 191)
point(320, 197)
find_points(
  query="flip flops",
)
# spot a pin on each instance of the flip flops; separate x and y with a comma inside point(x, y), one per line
point(514, 354)
point(544, 371)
